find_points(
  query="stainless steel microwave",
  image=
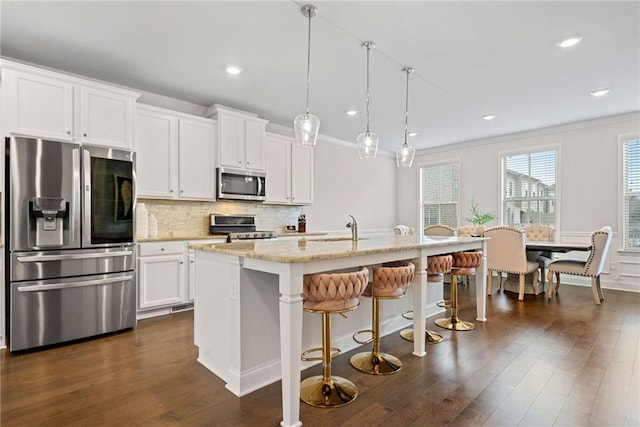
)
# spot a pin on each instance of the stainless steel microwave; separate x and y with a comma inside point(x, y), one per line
point(240, 184)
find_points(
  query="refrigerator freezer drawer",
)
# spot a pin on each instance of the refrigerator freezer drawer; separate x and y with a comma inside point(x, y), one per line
point(52, 311)
point(47, 264)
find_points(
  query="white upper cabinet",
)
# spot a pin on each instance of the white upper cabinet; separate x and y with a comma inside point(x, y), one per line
point(241, 139)
point(46, 104)
point(37, 105)
point(289, 171)
point(175, 155)
point(106, 118)
point(196, 169)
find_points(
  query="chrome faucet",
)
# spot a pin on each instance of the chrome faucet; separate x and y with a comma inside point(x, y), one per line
point(353, 225)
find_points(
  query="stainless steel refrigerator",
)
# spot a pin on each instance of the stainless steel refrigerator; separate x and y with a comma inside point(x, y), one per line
point(69, 241)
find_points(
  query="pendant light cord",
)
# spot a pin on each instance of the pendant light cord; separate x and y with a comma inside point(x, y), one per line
point(368, 49)
point(406, 113)
point(308, 61)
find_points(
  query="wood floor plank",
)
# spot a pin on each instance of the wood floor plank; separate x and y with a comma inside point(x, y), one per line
point(563, 362)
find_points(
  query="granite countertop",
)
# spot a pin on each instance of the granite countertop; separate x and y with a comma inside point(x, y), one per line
point(178, 238)
point(304, 250)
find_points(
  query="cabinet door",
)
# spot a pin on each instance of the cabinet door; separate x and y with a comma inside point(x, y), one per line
point(278, 170)
point(301, 174)
point(38, 106)
point(254, 149)
point(106, 118)
point(196, 160)
point(231, 141)
point(160, 281)
point(156, 148)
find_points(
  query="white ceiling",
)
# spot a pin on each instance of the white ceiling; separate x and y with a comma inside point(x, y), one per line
point(471, 58)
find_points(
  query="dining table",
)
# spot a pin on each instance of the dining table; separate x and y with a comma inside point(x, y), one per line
point(557, 246)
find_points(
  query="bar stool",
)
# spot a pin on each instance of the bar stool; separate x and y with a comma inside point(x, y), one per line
point(330, 293)
point(437, 267)
point(389, 282)
point(464, 264)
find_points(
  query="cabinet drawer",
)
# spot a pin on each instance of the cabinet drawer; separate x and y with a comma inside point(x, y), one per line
point(161, 248)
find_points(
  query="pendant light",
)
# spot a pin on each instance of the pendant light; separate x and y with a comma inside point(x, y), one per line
point(405, 154)
point(307, 125)
point(368, 141)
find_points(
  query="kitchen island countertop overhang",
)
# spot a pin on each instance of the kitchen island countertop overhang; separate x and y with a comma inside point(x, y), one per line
point(253, 289)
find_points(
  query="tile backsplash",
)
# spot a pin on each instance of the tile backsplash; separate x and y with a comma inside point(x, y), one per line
point(177, 218)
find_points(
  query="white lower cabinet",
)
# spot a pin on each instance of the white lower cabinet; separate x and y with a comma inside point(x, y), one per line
point(161, 275)
point(166, 276)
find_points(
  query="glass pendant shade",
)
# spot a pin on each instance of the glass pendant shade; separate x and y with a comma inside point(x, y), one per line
point(306, 127)
point(404, 155)
point(367, 145)
point(367, 141)
point(406, 152)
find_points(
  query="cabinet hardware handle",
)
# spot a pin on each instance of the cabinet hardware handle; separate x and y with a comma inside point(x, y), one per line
point(239, 161)
point(192, 262)
point(182, 191)
point(162, 249)
point(170, 191)
point(248, 163)
point(181, 262)
point(68, 132)
point(85, 134)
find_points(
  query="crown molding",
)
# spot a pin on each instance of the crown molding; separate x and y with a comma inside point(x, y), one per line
point(583, 124)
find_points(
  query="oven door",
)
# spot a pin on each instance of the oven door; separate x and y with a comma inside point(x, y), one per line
point(238, 184)
point(109, 192)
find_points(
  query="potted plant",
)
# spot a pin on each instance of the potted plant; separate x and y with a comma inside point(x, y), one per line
point(479, 218)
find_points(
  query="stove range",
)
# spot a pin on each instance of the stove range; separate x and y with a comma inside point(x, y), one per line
point(237, 227)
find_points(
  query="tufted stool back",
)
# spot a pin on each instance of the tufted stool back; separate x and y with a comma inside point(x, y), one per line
point(437, 266)
point(334, 292)
point(466, 263)
point(439, 230)
point(391, 280)
point(403, 230)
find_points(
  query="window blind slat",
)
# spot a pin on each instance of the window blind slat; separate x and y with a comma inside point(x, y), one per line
point(631, 192)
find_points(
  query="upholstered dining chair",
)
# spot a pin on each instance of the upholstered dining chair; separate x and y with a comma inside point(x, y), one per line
point(467, 230)
point(439, 230)
point(540, 233)
point(403, 230)
point(507, 254)
point(592, 267)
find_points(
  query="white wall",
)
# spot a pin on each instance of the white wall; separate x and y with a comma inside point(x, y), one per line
point(344, 184)
point(588, 183)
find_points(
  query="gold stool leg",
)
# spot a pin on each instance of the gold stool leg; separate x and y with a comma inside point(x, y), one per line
point(454, 322)
point(375, 362)
point(325, 391)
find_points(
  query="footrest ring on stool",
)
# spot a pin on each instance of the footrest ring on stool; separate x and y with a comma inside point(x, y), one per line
point(305, 355)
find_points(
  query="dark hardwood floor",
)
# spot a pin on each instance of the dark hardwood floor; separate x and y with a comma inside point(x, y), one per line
point(564, 362)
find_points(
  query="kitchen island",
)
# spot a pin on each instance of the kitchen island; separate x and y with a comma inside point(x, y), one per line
point(248, 318)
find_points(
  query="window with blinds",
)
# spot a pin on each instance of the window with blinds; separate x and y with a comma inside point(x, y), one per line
point(440, 193)
point(529, 188)
point(631, 191)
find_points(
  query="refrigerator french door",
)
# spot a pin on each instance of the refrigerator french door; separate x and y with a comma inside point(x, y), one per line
point(70, 238)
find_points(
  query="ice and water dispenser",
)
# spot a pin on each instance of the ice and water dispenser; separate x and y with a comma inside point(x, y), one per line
point(48, 217)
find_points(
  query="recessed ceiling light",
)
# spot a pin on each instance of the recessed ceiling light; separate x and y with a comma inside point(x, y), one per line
point(599, 92)
point(412, 133)
point(234, 70)
point(571, 41)
point(352, 112)
point(489, 116)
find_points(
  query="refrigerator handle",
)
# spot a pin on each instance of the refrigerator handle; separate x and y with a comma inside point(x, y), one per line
point(63, 285)
point(39, 258)
point(74, 223)
point(86, 205)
